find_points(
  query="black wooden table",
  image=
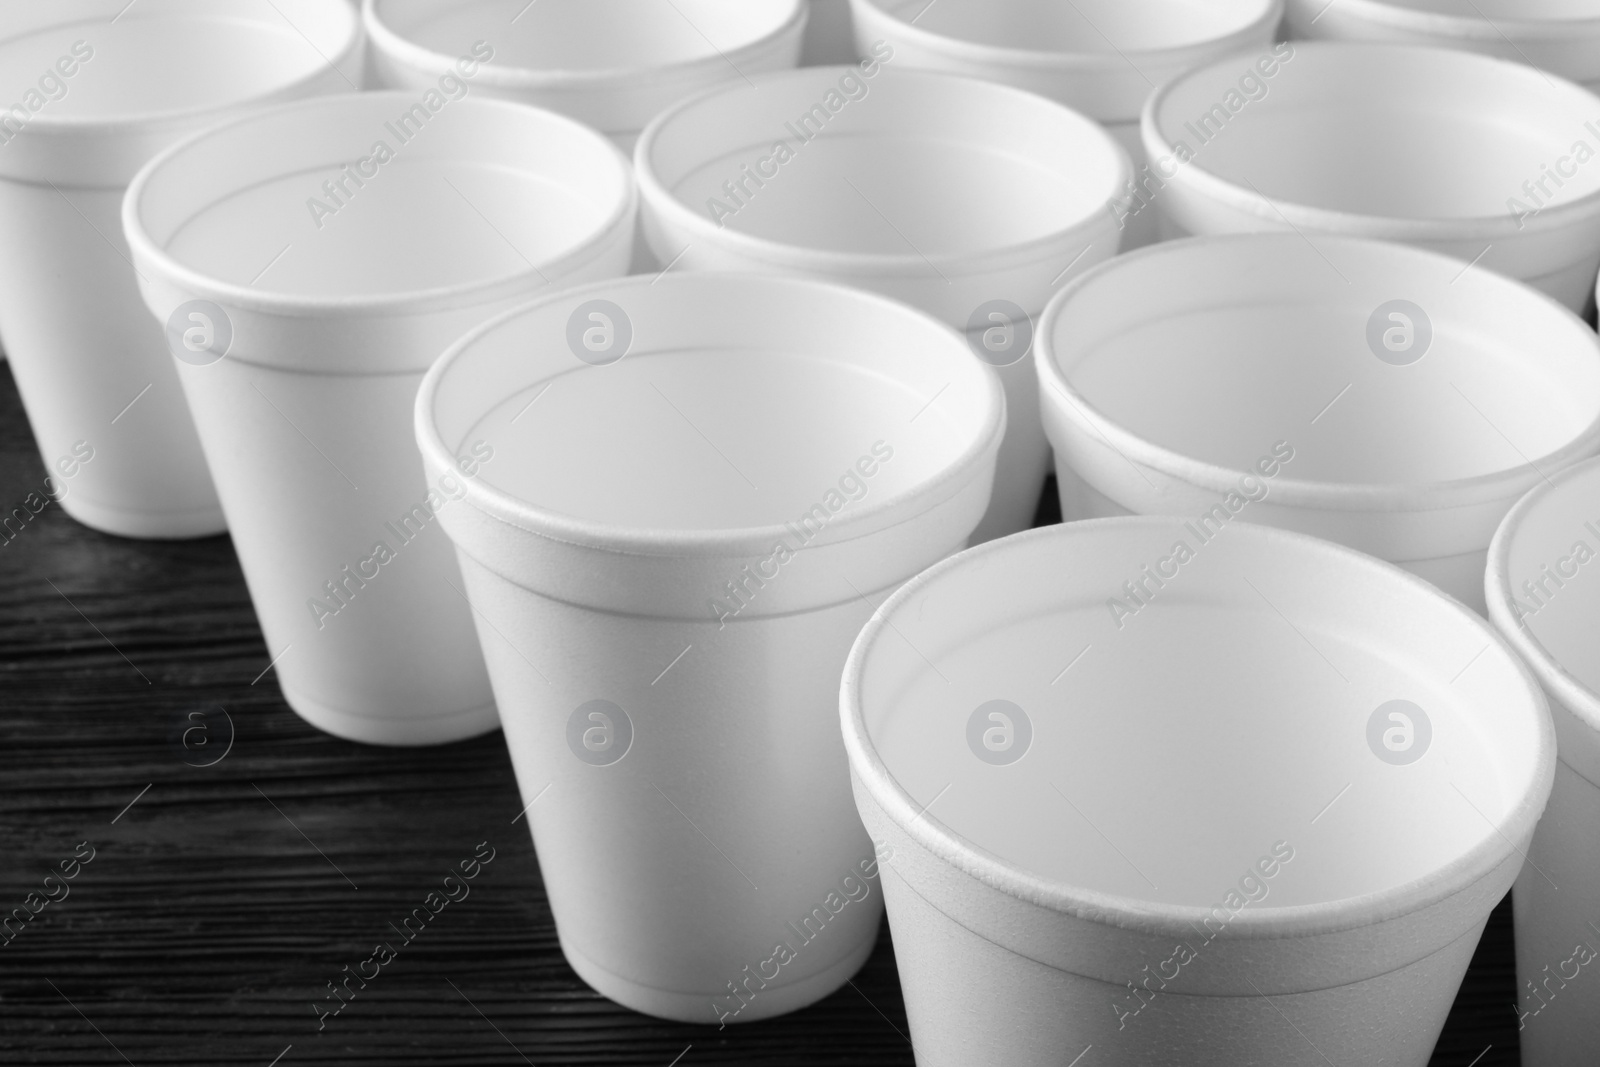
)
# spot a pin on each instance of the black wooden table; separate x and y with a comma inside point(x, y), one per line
point(231, 885)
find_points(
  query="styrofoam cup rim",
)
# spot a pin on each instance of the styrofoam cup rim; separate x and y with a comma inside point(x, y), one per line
point(46, 123)
point(866, 521)
point(417, 57)
point(1560, 682)
point(1302, 216)
point(867, 265)
point(1089, 62)
point(417, 301)
point(1508, 484)
point(1110, 909)
point(1459, 27)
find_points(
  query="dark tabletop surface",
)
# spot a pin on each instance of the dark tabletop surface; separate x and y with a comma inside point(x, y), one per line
point(222, 899)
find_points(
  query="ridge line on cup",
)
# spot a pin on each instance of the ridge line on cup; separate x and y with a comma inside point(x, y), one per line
point(821, 113)
point(1139, 594)
point(1260, 873)
point(419, 114)
point(59, 72)
point(737, 589)
point(1139, 195)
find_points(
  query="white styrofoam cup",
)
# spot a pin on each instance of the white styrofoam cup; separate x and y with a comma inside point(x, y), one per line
point(1465, 154)
point(968, 199)
point(1560, 37)
point(1263, 819)
point(1371, 393)
point(1543, 586)
point(703, 484)
point(1100, 57)
point(310, 262)
point(612, 64)
point(101, 86)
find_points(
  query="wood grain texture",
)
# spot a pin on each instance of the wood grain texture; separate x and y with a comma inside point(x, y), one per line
point(220, 904)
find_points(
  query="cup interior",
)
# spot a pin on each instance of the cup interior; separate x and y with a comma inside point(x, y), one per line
point(1388, 131)
point(1214, 349)
point(1552, 568)
point(377, 194)
point(899, 163)
point(1092, 27)
point(1157, 758)
point(739, 403)
point(106, 61)
point(587, 36)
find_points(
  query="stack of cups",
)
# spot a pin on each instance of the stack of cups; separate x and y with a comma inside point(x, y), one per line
point(1467, 155)
point(110, 84)
point(1101, 57)
point(702, 483)
point(970, 200)
point(1544, 595)
point(1370, 393)
point(1561, 38)
point(310, 262)
point(1263, 823)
